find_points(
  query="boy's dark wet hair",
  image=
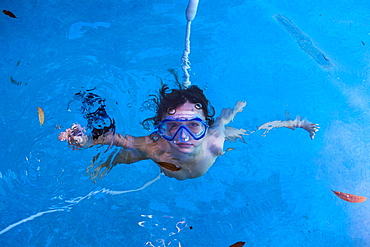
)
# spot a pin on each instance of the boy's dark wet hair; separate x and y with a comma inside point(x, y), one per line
point(168, 99)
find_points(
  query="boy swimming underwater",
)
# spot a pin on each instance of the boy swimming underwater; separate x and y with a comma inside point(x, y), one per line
point(187, 140)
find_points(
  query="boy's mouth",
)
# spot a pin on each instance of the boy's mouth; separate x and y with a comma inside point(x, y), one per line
point(184, 145)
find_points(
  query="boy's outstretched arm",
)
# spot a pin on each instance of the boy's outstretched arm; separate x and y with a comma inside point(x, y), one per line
point(312, 128)
point(77, 138)
point(133, 149)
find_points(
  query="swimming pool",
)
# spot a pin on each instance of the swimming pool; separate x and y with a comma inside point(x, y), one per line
point(284, 58)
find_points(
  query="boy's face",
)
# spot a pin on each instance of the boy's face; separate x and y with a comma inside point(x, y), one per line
point(183, 141)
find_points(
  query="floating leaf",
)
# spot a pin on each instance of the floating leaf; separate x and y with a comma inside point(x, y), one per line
point(349, 197)
point(9, 13)
point(238, 244)
point(41, 114)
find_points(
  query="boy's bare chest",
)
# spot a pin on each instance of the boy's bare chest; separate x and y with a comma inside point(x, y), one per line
point(182, 166)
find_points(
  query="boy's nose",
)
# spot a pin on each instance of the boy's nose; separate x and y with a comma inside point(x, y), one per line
point(183, 135)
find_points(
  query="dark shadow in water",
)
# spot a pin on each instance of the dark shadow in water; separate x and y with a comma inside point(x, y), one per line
point(93, 110)
point(304, 42)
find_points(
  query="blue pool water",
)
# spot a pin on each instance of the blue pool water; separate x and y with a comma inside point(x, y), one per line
point(284, 58)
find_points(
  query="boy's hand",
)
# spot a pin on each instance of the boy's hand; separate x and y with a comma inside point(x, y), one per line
point(239, 106)
point(75, 136)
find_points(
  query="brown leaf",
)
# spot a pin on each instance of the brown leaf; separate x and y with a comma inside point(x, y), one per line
point(9, 13)
point(238, 244)
point(349, 197)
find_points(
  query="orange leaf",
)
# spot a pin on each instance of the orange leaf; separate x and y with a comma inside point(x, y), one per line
point(349, 197)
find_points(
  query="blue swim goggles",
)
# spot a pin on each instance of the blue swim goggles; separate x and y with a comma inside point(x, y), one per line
point(169, 128)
